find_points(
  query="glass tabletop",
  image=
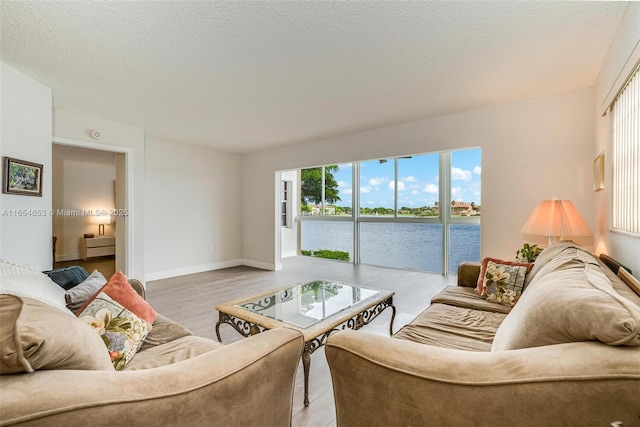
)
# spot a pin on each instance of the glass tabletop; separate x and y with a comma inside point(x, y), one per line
point(306, 304)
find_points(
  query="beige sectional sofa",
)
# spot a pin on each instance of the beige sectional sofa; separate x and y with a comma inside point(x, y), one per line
point(175, 379)
point(567, 354)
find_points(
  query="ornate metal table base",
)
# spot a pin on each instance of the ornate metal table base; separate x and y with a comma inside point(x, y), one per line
point(242, 326)
point(246, 329)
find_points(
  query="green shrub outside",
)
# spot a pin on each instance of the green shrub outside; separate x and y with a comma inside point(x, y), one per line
point(328, 254)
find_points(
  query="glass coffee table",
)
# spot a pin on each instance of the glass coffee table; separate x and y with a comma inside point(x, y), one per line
point(314, 308)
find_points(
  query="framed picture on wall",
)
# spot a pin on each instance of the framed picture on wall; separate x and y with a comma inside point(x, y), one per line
point(598, 173)
point(22, 177)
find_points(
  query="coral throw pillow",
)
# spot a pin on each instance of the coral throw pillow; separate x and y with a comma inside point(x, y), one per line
point(502, 281)
point(119, 289)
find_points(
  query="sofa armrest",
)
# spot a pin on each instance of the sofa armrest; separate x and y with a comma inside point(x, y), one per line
point(137, 286)
point(249, 382)
point(468, 273)
point(387, 381)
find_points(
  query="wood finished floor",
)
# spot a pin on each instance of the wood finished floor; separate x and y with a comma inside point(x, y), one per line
point(190, 301)
point(105, 265)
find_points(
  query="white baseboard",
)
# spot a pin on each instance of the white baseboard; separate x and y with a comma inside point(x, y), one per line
point(183, 271)
point(260, 264)
point(165, 274)
point(67, 257)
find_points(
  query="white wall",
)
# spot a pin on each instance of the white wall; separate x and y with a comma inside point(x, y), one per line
point(26, 134)
point(76, 127)
point(623, 54)
point(531, 150)
point(83, 179)
point(193, 209)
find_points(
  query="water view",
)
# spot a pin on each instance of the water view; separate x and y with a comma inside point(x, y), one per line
point(399, 187)
point(398, 245)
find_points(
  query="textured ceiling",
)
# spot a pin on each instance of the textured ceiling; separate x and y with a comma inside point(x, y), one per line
point(246, 76)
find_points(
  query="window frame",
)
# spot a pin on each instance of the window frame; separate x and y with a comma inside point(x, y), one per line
point(444, 199)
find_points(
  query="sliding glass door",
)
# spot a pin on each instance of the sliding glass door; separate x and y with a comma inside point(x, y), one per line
point(393, 217)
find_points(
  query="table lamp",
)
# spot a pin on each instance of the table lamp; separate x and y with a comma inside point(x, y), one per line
point(556, 218)
point(101, 220)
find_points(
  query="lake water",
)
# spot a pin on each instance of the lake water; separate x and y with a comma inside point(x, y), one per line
point(405, 245)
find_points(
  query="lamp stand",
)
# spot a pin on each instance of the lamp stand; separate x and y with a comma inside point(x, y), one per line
point(100, 229)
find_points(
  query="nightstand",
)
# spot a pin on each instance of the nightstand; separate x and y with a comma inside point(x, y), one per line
point(91, 247)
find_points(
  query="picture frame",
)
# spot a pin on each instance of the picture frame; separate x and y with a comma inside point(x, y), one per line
point(21, 177)
point(598, 173)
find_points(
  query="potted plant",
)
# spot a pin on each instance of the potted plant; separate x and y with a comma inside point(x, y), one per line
point(528, 253)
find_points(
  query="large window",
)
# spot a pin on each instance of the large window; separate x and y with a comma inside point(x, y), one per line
point(327, 239)
point(377, 196)
point(626, 158)
point(464, 223)
point(326, 190)
point(411, 246)
point(398, 221)
point(400, 187)
point(326, 229)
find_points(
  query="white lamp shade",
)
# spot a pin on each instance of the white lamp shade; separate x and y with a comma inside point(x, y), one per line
point(102, 219)
point(556, 218)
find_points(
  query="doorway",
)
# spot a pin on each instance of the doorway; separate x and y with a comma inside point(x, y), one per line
point(90, 205)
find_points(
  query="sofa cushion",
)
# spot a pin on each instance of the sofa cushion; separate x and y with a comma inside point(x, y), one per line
point(79, 294)
point(172, 352)
point(463, 296)
point(121, 331)
point(557, 256)
point(164, 330)
point(574, 303)
point(119, 289)
point(453, 327)
point(68, 277)
point(35, 335)
point(24, 281)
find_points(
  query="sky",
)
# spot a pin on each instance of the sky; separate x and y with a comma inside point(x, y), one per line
point(418, 180)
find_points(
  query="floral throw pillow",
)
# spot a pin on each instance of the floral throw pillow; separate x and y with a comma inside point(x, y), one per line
point(122, 331)
point(503, 283)
point(483, 270)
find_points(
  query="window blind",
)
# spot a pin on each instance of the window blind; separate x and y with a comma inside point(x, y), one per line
point(626, 157)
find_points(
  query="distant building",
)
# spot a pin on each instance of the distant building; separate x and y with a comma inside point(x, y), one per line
point(317, 209)
point(462, 208)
